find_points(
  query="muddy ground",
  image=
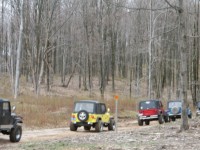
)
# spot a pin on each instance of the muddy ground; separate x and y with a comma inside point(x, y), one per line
point(128, 136)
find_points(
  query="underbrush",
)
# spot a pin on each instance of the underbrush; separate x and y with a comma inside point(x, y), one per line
point(48, 111)
point(44, 111)
point(55, 111)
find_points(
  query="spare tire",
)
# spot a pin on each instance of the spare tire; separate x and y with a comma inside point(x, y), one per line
point(83, 115)
point(175, 110)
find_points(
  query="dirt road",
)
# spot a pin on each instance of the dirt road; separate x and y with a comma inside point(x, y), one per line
point(59, 134)
point(129, 136)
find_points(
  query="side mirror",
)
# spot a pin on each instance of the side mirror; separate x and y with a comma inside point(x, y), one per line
point(108, 110)
point(13, 108)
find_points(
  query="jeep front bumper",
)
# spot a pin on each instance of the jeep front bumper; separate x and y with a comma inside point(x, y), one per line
point(198, 113)
point(151, 117)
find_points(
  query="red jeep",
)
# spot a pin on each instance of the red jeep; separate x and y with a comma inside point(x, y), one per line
point(150, 110)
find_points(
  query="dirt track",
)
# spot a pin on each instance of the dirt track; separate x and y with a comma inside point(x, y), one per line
point(129, 136)
point(59, 134)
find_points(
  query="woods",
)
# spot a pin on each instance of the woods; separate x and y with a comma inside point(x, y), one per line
point(135, 40)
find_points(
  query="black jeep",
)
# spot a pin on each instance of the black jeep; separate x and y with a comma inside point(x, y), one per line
point(10, 124)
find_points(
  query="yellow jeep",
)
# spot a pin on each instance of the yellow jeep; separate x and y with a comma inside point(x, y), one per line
point(90, 113)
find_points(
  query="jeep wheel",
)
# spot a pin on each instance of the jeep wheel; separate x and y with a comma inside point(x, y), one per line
point(147, 122)
point(111, 125)
point(166, 118)
point(160, 119)
point(15, 134)
point(87, 128)
point(83, 115)
point(73, 127)
point(173, 119)
point(140, 122)
point(99, 126)
point(190, 116)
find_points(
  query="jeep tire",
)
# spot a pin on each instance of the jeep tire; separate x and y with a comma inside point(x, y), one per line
point(111, 125)
point(83, 115)
point(147, 122)
point(15, 134)
point(166, 118)
point(99, 126)
point(160, 119)
point(140, 122)
point(173, 118)
point(73, 127)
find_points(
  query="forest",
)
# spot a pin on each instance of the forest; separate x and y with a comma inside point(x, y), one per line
point(149, 43)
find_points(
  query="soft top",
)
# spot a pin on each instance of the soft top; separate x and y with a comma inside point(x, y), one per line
point(3, 100)
point(87, 101)
point(178, 100)
point(151, 100)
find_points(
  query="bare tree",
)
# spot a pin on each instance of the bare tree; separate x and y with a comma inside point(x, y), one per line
point(183, 73)
point(136, 41)
point(19, 51)
point(195, 55)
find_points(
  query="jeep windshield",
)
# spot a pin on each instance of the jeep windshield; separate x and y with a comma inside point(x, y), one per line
point(89, 107)
point(174, 104)
point(198, 104)
point(147, 105)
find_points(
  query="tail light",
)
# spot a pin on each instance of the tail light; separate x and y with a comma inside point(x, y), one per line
point(92, 117)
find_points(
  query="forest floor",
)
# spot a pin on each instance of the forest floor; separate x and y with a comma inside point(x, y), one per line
point(129, 136)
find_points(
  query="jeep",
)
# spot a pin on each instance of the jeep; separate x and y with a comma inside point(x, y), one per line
point(198, 108)
point(174, 110)
point(150, 110)
point(10, 123)
point(91, 113)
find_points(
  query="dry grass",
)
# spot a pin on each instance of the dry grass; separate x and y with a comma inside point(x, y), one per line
point(44, 111)
point(53, 109)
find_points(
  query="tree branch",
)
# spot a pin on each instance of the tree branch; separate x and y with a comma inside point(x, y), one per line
point(173, 6)
point(197, 36)
point(135, 8)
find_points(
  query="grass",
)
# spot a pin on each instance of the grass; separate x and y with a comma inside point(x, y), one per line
point(49, 111)
point(44, 111)
point(55, 111)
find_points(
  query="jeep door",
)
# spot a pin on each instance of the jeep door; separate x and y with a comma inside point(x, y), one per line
point(5, 113)
point(105, 116)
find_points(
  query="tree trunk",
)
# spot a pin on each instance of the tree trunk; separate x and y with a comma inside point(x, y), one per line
point(11, 57)
point(19, 51)
point(113, 51)
point(183, 72)
point(195, 58)
point(150, 51)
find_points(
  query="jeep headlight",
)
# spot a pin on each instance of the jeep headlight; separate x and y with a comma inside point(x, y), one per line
point(140, 114)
